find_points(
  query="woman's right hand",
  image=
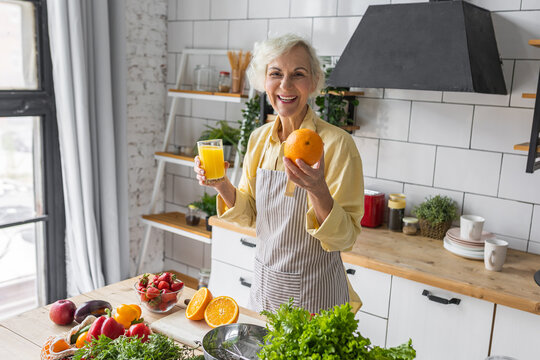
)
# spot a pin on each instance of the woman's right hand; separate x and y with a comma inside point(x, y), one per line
point(201, 174)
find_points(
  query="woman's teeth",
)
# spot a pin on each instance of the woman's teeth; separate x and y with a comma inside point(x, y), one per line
point(287, 99)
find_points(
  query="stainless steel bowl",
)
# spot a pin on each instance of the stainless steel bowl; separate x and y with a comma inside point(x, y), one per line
point(233, 342)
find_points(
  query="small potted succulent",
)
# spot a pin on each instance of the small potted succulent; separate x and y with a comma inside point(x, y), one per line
point(435, 216)
point(207, 204)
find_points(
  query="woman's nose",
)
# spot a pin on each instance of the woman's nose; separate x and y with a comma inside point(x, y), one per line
point(286, 82)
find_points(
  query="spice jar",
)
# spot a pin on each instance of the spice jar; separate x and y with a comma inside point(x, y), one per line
point(224, 81)
point(396, 211)
point(410, 225)
point(204, 277)
point(192, 216)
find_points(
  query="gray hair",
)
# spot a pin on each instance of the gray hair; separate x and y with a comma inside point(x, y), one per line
point(267, 50)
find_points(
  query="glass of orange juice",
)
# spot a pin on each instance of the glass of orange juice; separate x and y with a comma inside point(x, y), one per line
point(212, 161)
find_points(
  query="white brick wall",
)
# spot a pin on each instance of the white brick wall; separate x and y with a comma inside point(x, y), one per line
point(421, 143)
point(146, 54)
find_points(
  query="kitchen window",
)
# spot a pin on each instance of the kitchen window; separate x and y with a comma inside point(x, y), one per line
point(32, 224)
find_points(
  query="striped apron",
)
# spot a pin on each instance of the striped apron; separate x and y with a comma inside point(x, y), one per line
point(289, 262)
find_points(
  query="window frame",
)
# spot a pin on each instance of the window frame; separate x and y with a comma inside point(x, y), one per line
point(41, 102)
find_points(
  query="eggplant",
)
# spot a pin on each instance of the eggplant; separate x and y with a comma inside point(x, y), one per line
point(92, 307)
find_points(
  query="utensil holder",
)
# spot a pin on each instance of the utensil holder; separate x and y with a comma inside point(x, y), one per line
point(237, 81)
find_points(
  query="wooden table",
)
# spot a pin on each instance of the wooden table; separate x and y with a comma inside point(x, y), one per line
point(22, 336)
point(426, 261)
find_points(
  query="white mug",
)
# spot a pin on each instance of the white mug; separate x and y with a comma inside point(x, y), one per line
point(495, 253)
point(471, 227)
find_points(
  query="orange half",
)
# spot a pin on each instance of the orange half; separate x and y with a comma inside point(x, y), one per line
point(222, 310)
point(198, 303)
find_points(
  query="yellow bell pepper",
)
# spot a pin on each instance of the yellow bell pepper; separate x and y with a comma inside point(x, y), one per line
point(127, 314)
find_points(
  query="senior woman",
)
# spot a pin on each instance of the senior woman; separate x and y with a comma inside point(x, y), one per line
point(300, 237)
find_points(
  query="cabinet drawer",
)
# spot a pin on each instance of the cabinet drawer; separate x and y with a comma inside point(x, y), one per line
point(373, 287)
point(233, 248)
point(372, 327)
point(438, 331)
point(231, 281)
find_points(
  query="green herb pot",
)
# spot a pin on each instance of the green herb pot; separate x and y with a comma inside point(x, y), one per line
point(437, 231)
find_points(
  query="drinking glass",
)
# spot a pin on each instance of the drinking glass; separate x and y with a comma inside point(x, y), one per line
point(212, 161)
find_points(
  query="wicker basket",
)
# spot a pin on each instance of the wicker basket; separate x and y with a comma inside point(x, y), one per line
point(435, 232)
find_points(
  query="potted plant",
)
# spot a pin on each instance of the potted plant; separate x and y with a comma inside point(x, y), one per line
point(334, 105)
point(224, 131)
point(250, 121)
point(207, 204)
point(435, 216)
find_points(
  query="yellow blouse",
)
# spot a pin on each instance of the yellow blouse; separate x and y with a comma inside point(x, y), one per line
point(343, 175)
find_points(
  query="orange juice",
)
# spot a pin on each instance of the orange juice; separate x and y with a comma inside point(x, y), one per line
point(212, 161)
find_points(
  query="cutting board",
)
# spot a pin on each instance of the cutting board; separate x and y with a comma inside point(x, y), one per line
point(181, 329)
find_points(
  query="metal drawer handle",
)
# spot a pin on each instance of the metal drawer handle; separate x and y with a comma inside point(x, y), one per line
point(247, 243)
point(244, 282)
point(441, 300)
point(350, 271)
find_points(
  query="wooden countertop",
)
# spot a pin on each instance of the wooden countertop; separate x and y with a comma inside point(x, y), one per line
point(426, 261)
point(22, 336)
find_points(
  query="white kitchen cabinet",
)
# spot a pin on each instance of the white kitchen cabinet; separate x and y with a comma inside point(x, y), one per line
point(438, 331)
point(233, 248)
point(372, 327)
point(373, 287)
point(230, 281)
point(516, 334)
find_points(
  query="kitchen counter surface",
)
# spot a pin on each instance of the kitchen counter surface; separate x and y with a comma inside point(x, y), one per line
point(426, 261)
point(22, 336)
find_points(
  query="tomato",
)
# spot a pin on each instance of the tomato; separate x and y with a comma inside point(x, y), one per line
point(139, 330)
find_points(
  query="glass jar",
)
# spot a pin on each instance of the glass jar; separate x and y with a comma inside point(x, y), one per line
point(410, 225)
point(204, 277)
point(192, 216)
point(224, 82)
point(396, 211)
point(203, 78)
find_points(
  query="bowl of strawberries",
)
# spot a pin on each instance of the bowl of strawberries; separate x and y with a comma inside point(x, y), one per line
point(159, 292)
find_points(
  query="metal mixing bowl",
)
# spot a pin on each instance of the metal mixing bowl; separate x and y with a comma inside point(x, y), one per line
point(233, 342)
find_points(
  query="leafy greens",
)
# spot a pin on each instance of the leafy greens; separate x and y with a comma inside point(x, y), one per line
point(293, 333)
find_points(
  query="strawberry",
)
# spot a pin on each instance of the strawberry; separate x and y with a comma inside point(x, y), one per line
point(152, 292)
point(166, 276)
point(143, 281)
point(163, 285)
point(168, 296)
point(175, 286)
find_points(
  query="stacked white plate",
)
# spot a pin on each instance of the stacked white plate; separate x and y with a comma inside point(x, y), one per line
point(470, 249)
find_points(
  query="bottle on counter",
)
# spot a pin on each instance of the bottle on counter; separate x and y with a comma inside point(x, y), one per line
point(396, 211)
point(204, 277)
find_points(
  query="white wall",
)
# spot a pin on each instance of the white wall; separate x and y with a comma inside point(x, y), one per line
point(417, 142)
point(146, 57)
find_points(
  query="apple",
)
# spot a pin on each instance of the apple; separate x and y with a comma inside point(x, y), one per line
point(62, 312)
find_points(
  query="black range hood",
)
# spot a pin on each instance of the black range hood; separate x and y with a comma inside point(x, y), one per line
point(438, 45)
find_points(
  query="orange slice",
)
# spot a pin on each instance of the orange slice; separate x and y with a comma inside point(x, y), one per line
point(222, 310)
point(197, 304)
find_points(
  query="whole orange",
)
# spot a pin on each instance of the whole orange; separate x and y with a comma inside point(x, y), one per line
point(303, 144)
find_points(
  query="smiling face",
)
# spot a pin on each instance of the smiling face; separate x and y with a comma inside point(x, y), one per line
point(289, 82)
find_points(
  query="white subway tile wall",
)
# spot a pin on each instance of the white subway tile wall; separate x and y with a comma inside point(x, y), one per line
point(499, 129)
point(421, 143)
point(468, 170)
point(441, 124)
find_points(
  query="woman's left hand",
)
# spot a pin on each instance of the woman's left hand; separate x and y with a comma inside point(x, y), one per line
point(309, 178)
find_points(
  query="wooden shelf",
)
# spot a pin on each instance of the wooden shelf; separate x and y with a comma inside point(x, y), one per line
point(207, 95)
point(528, 96)
point(534, 42)
point(175, 222)
point(525, 147)
point(174, 158)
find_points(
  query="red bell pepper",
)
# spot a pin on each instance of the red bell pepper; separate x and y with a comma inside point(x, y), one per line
point(107, 326)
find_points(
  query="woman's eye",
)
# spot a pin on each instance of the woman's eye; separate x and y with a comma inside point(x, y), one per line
point(275, 74)
point(299, 74)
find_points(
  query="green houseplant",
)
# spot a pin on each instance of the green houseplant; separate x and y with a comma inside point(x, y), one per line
point(435, 215)
point(207, 204)
point(224, 131)
point(250, 121)
point(333, 106)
